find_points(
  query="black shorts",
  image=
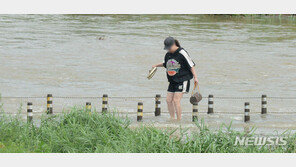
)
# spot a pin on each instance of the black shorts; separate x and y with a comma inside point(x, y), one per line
point(179, 87)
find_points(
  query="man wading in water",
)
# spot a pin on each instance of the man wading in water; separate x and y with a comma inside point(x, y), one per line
point(180, 70)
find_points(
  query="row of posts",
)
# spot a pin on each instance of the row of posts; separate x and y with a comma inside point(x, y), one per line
point(157, 111)
point(49, 107)
point(263, 108)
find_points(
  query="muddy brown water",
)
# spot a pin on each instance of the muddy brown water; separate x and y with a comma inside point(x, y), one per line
point(89, 55)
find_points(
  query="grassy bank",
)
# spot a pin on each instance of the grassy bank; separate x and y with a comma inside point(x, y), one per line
point(78, 131)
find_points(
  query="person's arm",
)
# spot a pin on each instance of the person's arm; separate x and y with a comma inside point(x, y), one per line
point(192, 69)
point(158, 65)
point(190, 64)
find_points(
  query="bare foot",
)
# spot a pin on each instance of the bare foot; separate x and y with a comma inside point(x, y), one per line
point(172, 119)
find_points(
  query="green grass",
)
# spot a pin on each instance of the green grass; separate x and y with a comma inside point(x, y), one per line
point(77, 131)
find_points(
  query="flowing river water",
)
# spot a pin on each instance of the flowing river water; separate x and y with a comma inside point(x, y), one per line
point(91, 55)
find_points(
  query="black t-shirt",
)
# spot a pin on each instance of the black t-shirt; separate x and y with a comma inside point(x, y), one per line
point(178, 65)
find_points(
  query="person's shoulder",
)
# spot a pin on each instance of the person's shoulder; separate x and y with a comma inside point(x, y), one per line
point(167, 54)
point(183, 52)
point(181, 49)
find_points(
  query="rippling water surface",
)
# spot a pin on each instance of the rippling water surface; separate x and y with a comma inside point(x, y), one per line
point(66, 56)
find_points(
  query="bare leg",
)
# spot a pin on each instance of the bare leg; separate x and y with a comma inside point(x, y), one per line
point(176, 100)
point(170, 97)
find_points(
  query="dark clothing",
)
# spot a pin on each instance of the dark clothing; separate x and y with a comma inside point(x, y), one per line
point(178, 65)
point(179, 87)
